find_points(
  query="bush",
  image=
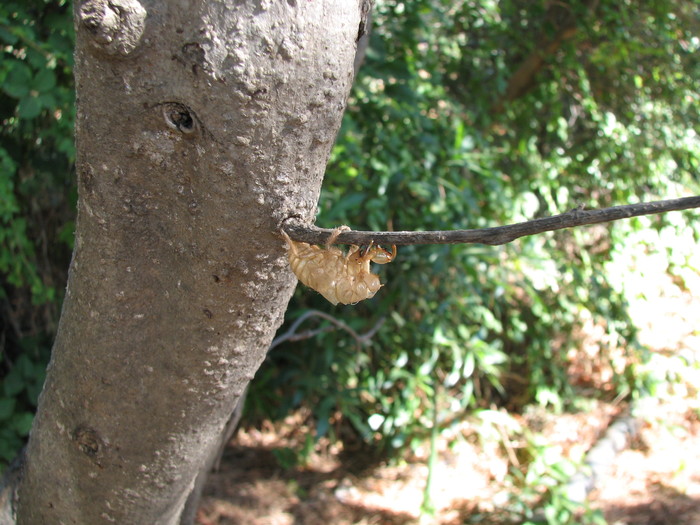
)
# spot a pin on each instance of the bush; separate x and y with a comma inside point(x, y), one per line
point(37, 199)
point(480, 114)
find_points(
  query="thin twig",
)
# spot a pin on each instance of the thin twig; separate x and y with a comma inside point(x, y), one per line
point(292, 335)
point(493, 236)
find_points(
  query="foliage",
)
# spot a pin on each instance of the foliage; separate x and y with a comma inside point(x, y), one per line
point(36, 181)
point(537, 484)
point(541, 497)
point(466, 114)
point(472, 114)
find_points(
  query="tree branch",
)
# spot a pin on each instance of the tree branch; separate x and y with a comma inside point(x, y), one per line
point(492, 236)
point(293, 335)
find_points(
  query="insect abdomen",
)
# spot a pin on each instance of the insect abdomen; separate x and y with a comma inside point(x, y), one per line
point(338, 277)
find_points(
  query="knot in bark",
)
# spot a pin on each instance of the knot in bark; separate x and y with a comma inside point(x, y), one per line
point(116, 26)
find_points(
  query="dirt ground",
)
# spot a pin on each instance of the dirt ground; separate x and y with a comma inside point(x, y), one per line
point(654, 481)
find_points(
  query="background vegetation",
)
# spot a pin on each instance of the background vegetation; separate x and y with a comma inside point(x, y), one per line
point(474, 114)
point(465, 114)
point(37, 200)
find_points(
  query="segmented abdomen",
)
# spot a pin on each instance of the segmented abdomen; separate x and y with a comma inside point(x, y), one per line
point(338, 277)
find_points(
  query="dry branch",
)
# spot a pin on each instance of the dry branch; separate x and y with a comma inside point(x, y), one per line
point(492, 236)
point(293, 335)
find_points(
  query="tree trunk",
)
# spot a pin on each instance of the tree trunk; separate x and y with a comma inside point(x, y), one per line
point(201, 126)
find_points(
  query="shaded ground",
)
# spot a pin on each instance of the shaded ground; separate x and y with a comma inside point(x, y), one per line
point(656, 481)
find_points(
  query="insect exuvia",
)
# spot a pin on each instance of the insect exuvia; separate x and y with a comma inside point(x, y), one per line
point(344, 278)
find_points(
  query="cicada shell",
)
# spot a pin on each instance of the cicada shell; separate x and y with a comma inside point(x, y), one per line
point(344, 278)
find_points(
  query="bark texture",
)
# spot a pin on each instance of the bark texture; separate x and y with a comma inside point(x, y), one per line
point(201, 126)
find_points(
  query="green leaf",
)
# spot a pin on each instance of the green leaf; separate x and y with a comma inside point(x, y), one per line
point(34, 390)
point(7, 36)
point(46, 100)
point(13, 383)
point(18, 80)
point(7, 407)
point(45, 80)
point(29, 107)
point(10, 443)
point(22, 423)
point(24, 367)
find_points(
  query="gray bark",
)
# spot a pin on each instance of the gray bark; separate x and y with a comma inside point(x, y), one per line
point(201, 126)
